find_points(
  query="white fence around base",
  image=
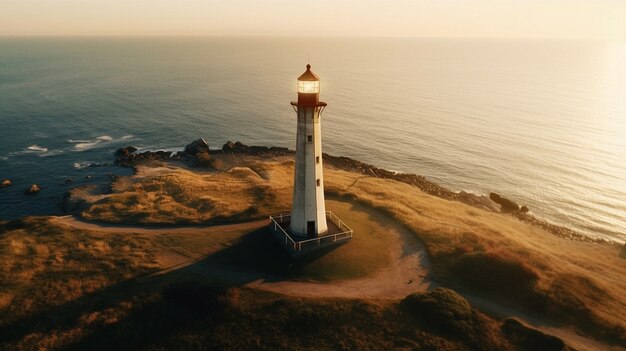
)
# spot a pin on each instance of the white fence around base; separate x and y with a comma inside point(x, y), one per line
point(297, 246)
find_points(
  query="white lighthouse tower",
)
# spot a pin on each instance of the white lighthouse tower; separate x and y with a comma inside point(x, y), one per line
point(308, 211)
point(309, 227)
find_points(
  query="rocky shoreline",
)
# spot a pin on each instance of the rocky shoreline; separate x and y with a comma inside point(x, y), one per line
point(199, 153)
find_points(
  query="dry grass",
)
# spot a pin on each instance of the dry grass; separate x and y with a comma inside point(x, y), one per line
point(488, 253)
point(493, 254)
point(42, 266)
point(172, 195)
point(80, 290)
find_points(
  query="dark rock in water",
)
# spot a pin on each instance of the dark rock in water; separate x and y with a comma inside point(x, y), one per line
point(258, 149)
point(125, 151)
point(197, 146)
point(68, 181)
point(5, 183)
point(495, 197)
point(506, 205)
point(33, 189)
point(524, 209)
point(93, 165)
point(88, 177)
point(526, 338)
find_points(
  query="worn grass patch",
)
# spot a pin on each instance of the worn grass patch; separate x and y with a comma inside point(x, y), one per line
point(368, 251)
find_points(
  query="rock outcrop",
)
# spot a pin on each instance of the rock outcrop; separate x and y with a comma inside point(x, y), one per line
point(5, 183)
point(526, 338)
point(506, 205)
point(125, 151)
point(33, 189)
point(197, 146)
point(348, 164)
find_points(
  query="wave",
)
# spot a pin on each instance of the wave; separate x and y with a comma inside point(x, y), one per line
point(86, 144)
point(81, 165)
point(37, 148)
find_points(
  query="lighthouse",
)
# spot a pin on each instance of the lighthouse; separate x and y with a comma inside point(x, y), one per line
point(308, 227)
point(308, 211)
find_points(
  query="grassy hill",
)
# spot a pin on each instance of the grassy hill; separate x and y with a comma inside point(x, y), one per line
point(63, 287)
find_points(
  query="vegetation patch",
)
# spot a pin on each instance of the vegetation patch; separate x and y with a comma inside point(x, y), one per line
point(528, 339)
point(494, 273)
point(446, 313)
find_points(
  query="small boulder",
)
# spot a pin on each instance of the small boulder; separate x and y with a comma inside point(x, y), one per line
point(258, 149)
point(33, 189)
point(241, 146)
point(506, 205)
point(125, 151)
point(495, 197)
point(228, 147)
point(197, 146)
point(524, 209)
point(236, 147)
point(5, 183)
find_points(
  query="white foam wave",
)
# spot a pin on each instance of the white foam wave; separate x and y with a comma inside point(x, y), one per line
point(37, 148)
point(86, 144)
point(52, 153)
point(81, 165)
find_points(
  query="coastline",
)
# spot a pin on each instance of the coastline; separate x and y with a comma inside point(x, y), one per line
point(131, 159)
point(518, 268)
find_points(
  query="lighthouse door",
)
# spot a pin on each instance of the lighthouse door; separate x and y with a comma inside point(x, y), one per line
point(310, 229)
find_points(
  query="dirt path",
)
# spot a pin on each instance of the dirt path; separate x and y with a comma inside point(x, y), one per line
point(407, 273)
point(77, 223)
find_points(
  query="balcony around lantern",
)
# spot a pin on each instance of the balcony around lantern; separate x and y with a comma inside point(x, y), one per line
point(338, 233)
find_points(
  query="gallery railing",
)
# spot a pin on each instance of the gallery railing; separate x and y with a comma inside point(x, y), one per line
point(297, 246)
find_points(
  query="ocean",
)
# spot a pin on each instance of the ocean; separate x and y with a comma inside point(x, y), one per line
point(542, 122)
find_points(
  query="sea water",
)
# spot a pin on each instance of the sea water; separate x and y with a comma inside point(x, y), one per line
point(540, 122)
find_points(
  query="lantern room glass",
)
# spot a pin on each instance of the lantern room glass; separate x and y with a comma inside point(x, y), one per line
point(309, 86)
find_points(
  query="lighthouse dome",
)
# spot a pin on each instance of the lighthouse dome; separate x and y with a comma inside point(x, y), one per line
point(308, 82)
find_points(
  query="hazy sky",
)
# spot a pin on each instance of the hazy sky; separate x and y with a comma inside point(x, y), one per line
point(404, 18)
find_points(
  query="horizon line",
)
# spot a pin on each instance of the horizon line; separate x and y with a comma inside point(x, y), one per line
point(260, 36)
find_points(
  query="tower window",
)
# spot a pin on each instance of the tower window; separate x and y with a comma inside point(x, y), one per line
point(317, 159)
point(309, 138)
point(318, 182)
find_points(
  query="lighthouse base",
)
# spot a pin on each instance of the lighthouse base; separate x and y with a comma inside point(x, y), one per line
point(338, 233)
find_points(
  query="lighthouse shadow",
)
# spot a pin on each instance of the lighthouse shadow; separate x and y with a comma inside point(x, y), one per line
point(258, 256)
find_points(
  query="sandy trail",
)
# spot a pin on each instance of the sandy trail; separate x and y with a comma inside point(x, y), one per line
point(77, 223)
point(407, 273)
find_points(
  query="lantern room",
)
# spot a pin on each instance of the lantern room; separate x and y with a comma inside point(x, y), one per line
point(308, 88)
